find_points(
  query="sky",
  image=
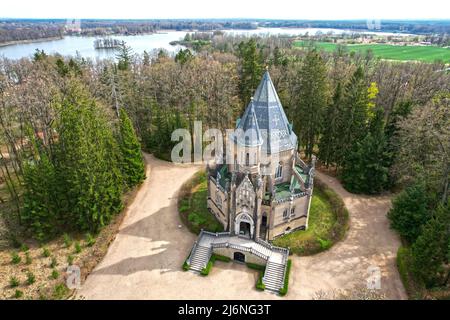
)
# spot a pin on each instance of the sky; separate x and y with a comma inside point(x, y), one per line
point(264, 9)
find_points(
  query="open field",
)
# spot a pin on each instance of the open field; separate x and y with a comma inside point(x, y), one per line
point(389, 52)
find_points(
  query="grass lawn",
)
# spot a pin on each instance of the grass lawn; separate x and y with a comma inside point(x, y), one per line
point(192, 206)
point(389, 52)
point(321, 219)
point(328, 222)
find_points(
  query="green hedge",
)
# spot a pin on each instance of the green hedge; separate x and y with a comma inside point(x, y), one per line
point(186, 266)
point(205, 271)
point(284, 290)
point(259, 284)
point(255, 266)
point(218, 257)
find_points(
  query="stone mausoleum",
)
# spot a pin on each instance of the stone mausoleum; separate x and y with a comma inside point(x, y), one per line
point(259, 190)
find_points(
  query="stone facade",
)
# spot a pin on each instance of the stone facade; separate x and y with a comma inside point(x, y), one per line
point(265, 191)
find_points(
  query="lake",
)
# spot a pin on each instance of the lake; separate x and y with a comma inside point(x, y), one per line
point(71, 45)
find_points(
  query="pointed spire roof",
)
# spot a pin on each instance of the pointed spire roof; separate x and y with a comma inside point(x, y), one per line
point(248, 133)
point(271, 119)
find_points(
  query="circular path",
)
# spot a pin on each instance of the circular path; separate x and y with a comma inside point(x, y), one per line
point(145, 259)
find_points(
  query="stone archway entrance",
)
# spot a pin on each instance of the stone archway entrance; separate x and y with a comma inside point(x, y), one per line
point(243, 225)
point(244, 229)
point(239, 257)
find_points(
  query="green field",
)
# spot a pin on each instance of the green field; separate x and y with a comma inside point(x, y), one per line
point(389, 52)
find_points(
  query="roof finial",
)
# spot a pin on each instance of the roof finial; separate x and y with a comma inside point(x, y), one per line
point(267, 67)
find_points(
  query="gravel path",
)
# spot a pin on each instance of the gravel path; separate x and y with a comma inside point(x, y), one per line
point(145, 259)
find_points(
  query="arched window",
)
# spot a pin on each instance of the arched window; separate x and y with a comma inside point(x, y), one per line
point(279, 171)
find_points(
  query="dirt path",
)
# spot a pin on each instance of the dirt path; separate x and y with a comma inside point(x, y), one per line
point(144, 261)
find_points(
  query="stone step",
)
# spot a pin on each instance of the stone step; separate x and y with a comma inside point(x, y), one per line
point(274, 276)
point(200, 258)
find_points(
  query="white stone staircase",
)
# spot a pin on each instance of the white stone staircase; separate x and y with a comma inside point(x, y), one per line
point(200, 258)
point(274, 276)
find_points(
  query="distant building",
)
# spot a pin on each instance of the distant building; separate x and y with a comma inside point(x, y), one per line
point(73, 26)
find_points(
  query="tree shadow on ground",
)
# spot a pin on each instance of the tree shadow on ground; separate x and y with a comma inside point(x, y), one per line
point(168, 245)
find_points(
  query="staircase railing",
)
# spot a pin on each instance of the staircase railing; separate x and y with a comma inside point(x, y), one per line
point(241, 248)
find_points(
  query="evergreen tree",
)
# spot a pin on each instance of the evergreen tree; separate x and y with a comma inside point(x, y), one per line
point(410, 211)
point(132, 162)
point(146, 59)
point(87, 162)
point(312, 101)
point(183, 56)
point(329, 141)
point(430, 251)
point(123, 56)
point(40, 205)
point(353, 119)
point(251, 69)
point(365, 169)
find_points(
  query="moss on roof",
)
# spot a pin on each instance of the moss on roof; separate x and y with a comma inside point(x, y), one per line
point(224, 175)
point(302, 173)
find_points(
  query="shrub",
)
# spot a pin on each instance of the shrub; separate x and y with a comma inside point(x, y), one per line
point(208, 267)
point(186, 265)
point(18, 294)
point(15, 258)
point(67, 240)
point(255, 266)
point(410, 211)
point(13, 282)
point(31, 278)
point(77, 247)
point(28, 259)
point(46, 252)
point(60, 291)
point(90, 240)
point(53, 263)
point(324, 244)
point(196, 219)
point(259, 284)
point(55, 274)
point(218, 257)
point(284, 290)
point(24, 248)
point(70, 259)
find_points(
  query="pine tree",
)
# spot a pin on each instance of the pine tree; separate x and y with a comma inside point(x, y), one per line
point(353, 119)
point(410, 211)
point(312, 101)
point(132, 162)
point(40, 206)
point(430, 251)
point(87, 162)
point(123, 56)
point(364, 169)
point(329, 141)
point(251, 69)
